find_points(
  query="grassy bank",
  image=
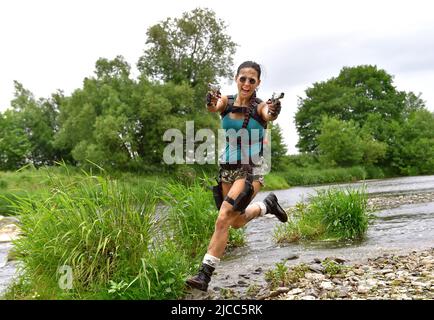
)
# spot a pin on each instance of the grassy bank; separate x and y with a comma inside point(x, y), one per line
point(311, 176)
point(132, 239)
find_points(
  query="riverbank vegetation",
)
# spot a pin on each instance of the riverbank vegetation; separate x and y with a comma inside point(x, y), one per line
point(331, 214)
point(119, 240)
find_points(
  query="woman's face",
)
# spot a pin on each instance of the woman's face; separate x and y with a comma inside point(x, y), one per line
point(247, 81)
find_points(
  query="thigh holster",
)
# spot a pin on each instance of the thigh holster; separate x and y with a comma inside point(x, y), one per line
point(217, 192)
point(244, 198)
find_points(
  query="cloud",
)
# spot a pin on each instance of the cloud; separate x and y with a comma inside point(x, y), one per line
point(315, 59)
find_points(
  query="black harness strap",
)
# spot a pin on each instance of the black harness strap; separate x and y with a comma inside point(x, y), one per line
point(250, 112)
point(253, 111)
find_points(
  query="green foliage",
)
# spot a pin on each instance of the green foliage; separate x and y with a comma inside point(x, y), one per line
point(344, 144)
point(106, 235)
point(413, 152)
point(308, 176)
point(124, 238)
point(339, 142)
point(297, 272)
point(277, 277)
point(237, 238)
point(331, 214)
point(331, 267)
point(302, 160)
point(355, 94)
point(373, 172)
point(282, 276)
point(344, 213)
point(191, 217)
point(278, 147)
point(369, 122)
point(253, 290)
point(3, 184)
point(117, 122)
point(14, 143)
point(275, 181)
point(193, 48)
point(38, 119)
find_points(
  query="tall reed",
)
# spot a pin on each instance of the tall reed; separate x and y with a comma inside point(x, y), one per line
point(110, 240)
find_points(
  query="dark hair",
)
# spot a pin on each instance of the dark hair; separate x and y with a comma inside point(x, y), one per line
point(250, 64)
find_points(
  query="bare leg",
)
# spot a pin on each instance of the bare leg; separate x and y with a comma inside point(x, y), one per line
point(229, 218)
point(220, 236)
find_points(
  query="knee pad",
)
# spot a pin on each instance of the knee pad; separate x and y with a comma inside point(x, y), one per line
point(243, 199)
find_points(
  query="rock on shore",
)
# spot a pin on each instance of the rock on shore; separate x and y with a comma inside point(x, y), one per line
point(9, 229)
point(380, 202)
point(391, 277)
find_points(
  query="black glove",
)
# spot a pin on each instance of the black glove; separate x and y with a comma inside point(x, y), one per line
point(211, 98)
point(208, 99)
point(277, 106)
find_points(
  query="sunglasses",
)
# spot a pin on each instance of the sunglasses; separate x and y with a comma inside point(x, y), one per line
point(243, 79)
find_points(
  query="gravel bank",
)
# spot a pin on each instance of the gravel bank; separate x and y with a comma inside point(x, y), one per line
point(397, 277)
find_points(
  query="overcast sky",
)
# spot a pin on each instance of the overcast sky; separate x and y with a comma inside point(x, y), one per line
point(53, 44)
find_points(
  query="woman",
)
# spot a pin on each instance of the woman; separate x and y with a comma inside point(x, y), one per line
point(239, 179)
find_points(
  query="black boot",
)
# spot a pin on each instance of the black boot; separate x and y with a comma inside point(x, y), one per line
point(273, 207)
point(201, 280)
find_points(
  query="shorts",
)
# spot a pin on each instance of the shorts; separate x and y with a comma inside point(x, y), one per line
point(230, 175)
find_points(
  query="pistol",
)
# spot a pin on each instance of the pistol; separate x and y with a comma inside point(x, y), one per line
point(215, 88)
point(275, 97)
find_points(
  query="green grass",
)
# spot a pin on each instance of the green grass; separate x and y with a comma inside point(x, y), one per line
point(105, 235)
point(278, 276)
point(309, 176)
point(192, 213)
point(332, 214)
point(131, 239)
point(275, 181)
point(332, 268)
point(282, 276)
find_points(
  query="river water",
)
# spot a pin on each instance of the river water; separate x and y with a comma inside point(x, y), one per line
point(397, 230)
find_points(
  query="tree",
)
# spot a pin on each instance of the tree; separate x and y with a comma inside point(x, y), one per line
point(38, 119)
point(345, 144)
point(15, 146)
point(413, 103)
point(339, 142)
point(119, 122)
point(356, 94)
point(413, 152)
point(278, 147)
point(192, 49)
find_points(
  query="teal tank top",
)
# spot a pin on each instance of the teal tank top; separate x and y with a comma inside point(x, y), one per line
point(251, 137)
